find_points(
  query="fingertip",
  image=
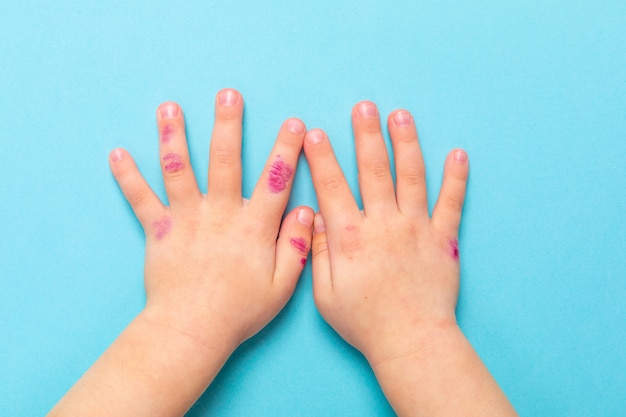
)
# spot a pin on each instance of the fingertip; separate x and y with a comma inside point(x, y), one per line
point(459, 156)
point(318, 224)
point(168, 110)
point(365, 108)
point(228, 97)
point(295, 126)
point(305, 216)
point(315, 136)
point(117, 155)
point(400, 118)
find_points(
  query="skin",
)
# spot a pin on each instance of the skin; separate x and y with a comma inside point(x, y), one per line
point(387, 278)
point(218, 268)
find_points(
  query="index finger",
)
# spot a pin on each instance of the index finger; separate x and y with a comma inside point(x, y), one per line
point(333, 193)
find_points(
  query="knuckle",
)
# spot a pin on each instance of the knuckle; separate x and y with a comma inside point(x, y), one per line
point(413, 176)
point(319, 247)
point(378, 168)
point(223, 157)
point(137, 198)
point(454, 203)
point(228, 114)
point(174, 175)
point(332, 184)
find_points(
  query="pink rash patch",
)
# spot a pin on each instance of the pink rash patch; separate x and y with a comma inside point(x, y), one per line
point(280, 174)
point(173, 162)
point(454, 249)
point(299, 244)
point(162, 227)
point(166, 133)
point(303, 262)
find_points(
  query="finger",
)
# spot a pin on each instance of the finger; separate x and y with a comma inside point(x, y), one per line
point(333, 193)
point(375, 179)
point(146, 205)
point(322, 279)
point(447, 211)
point(225, 152)
point(410, 172)
point(178, 176)
point(271, 193)
point(292, 249)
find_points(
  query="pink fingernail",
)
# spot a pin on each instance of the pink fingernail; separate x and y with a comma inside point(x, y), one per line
point(305, 217)
point(169, 110)
point(314, 136)
point(227, 98)
point(318, 225)
point(402, 118)
point(279, 175)
point(460, 156)
point(295, 126)
point(367, 109)
point(116, 155)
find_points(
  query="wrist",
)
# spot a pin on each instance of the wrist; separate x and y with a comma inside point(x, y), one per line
point(191, 332)
point(419, 342)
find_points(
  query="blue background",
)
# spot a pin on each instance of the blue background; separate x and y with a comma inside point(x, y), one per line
point(535, 91)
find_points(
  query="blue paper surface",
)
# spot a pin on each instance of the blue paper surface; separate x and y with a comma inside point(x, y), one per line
point(534, 91)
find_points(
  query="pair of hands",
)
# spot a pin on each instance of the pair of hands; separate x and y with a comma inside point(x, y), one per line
point(219, 267)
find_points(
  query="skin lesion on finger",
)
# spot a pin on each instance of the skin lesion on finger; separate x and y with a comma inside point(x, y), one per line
point(167, 133)
point(301, 245)
point(279, 175)
point(453, 249)
point(173, 163)
point(162, 227)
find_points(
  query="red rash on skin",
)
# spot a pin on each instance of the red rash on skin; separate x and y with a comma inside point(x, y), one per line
point(303, 262)
point(454, 249)
point(173, 162)
point(280, 173)
point(162, 227)
point(300, 244)
point(166, 133)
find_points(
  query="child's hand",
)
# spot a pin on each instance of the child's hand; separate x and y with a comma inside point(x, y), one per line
point(385, 275)
point(387, 279)
point(214, 269)
point(218, 268)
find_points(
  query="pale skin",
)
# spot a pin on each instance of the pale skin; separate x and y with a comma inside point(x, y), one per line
point(218, 268)
point(387, 278)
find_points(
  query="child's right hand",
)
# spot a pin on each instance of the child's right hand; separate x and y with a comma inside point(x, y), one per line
point(387, 279)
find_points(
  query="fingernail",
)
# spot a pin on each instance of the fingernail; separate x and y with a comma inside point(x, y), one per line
point(367, 109)
point(169, 110)
point(295, 126)
point(460, 156)
point(116, 155)
point(227, 98)
point(314, 136)
point(402, 118)
point(318, 225)
point(305, 217)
